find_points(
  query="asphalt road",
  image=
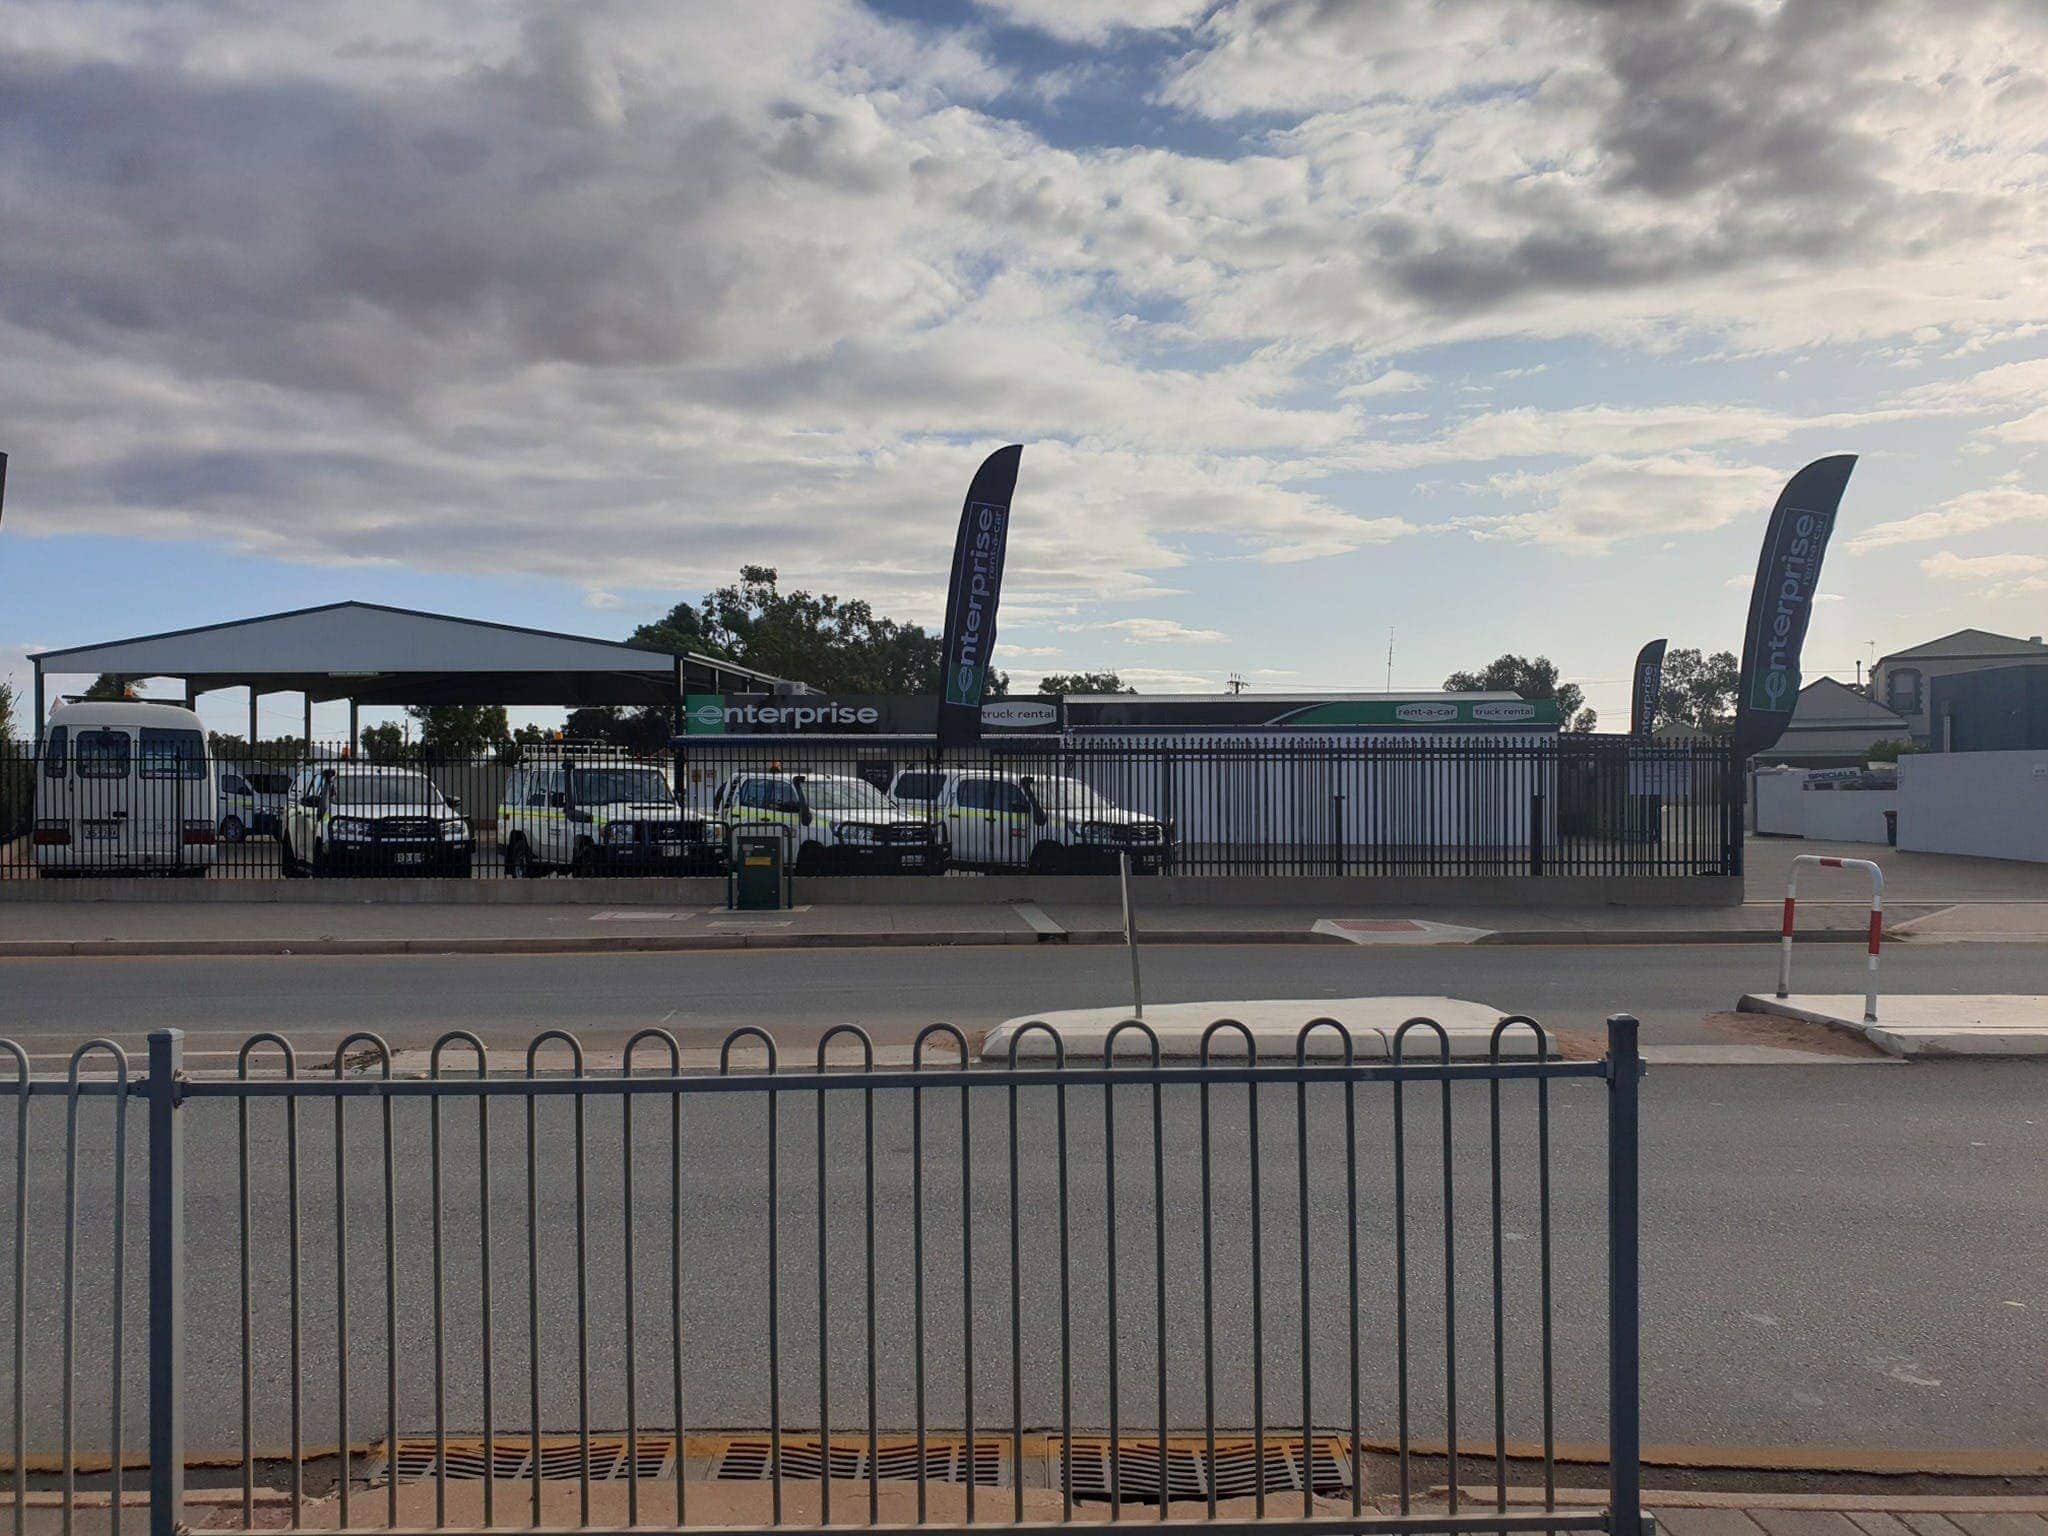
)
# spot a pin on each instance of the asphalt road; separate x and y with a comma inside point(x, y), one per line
point(52, 1004)
point(1846, 1256)
point(1833, 1256)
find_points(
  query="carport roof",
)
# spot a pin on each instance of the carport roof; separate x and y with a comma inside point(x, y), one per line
point(376, 654)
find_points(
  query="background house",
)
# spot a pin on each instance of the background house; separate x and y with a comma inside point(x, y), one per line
point(1834, 726)
point(1901, 681)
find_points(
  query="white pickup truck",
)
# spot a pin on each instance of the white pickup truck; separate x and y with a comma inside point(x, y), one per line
point(834, 823)
point(1048, 824)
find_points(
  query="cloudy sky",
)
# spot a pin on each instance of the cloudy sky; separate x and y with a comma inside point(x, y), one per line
point(1496, 324)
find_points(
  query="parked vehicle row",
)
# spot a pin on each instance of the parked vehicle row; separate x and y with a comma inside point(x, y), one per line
point(129, 786)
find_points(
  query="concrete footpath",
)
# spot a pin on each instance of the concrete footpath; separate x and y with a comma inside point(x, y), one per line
point(112, 928)
point(717, 1504)
point(1928, 899)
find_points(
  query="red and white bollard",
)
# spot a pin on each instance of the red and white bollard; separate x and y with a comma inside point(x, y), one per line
point(1876, 925)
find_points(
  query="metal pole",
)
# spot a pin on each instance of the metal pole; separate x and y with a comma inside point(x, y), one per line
point(1624, 1320)
point(166, 1284)
point(1123, 864)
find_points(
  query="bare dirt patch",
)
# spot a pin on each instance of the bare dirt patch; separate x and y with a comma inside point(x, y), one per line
point(1789, 1034)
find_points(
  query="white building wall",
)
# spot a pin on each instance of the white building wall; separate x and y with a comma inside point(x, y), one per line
point(1780, 803)
point(1848, 815)
point(1991, 804)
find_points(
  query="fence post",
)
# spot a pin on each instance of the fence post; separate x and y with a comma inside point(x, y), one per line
point(1536, 833)
point(1624, 1275)
point(166, 1284)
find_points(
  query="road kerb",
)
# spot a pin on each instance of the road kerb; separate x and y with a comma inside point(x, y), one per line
point(667, 943)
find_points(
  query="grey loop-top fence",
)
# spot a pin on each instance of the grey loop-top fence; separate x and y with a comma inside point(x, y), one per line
point(962, 1259)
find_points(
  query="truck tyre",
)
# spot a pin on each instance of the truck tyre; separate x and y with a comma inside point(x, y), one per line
point(519, 863)
point(232, 830)
point(584, 862)
point(810, 859)
point(1048, 858)
point(287, 861)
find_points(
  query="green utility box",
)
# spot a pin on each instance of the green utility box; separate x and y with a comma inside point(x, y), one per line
point(757, 878)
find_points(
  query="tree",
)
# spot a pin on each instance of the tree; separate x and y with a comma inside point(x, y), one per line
point(1532, 678)
point(8, 704)
point(1889, 751)
point(107, 687)
point(385, 743)
point(1699, 690)
point(461, 730)
point(1057, 685)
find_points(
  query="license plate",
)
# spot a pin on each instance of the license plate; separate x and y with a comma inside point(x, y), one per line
point(102, 832)
point(910, 859)
point(412, 858)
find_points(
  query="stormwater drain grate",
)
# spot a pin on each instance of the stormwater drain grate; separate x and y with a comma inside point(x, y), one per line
point(733, 1458)
point(1242, 1465)
point(513, 1456)
point(946, 1459)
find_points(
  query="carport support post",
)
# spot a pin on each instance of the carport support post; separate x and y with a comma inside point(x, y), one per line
point(354, 737)
point(166, 1284)
point(1624, 1274)
point(253, 697)
point(309, 728)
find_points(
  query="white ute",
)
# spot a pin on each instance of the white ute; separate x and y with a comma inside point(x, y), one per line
point(1048, 824)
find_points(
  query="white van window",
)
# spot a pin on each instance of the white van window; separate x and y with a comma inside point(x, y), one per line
point(173, 754)
point(56, 751)
point(918, 786)
point(102, 754)
point(270, 783)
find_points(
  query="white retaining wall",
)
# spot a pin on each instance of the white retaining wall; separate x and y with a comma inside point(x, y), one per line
point(1991, 804)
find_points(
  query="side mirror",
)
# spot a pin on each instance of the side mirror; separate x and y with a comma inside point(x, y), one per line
point(556, 799)
point(1038, 815)
point(311, 802)
point(454, 802)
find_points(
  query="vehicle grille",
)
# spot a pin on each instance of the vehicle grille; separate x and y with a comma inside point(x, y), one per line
point(407, 829)
point(905, 832)
point(1145, 834)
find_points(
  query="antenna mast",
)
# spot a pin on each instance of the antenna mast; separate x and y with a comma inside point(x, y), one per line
point(1390, 658)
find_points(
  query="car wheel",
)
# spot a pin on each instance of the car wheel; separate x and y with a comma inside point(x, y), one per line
point(810, 859)
point(232, 830)
point(585, 861)
point(288, 862)
point(1048, 859)
point(318, 867)
point(519, 863)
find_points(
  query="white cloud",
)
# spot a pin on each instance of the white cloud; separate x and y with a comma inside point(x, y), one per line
point(1606, 499)
point(1972, 512)
point(603, 601)
point(1164, 631)
point(1949, 566)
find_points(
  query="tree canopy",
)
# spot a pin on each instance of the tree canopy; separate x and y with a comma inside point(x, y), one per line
point(1057, 685)
point(1699, 690)
point(839, 645)
point(1532, 678)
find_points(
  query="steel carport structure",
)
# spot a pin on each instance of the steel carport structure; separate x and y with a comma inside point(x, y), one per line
point(368, 653)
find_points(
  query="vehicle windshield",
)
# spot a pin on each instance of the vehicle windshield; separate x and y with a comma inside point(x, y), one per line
point(407, 789)
point(269, 783)
point(615, 786)
point(1070, 797)
point(844, 795)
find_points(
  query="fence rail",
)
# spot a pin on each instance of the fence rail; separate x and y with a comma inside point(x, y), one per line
point(975, 1294)
point(1412, 805)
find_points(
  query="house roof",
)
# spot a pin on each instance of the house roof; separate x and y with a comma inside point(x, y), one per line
point(1969, 643)
point(382, 655)
point(1826, 704)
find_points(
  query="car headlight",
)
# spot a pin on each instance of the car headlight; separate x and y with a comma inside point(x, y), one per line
point(618, 832)
point(857, 835)
point(1097, 831)
point(348, 829)
point(454, 831)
